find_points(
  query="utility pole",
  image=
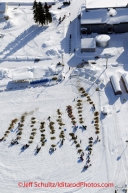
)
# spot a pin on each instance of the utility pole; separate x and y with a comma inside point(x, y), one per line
point(62, 59)
point(106, 61)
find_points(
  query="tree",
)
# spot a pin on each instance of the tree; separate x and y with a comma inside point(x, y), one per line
point(46, 5)
point(41, 14)
point(35, 12)
point(38, 12)
point(47, 14)
point(34, 5)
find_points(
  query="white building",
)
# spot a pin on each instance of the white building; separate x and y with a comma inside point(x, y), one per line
point(93, 4)
point(88, 45)
point(124, 78)
point(115, 85)
point(22, 77)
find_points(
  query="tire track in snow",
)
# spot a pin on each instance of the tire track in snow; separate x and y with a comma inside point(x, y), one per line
point(117, 136)
point(32, 47)
point(122, 150)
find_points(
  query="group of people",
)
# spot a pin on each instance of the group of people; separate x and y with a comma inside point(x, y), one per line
point(87, 162)
point(25, 146)
point(60, 20)
point(84, 126)
point(86, 166)
point(82, 156)
point(14, 142)
point(38, 149)
point(52, 149)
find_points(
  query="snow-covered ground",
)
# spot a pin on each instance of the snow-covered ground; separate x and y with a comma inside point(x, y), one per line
point(22, 42)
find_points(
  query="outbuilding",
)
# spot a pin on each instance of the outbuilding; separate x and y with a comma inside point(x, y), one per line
point(124, 78)
point(104, 20)
point(88, 45)
point(115, 85)
point(22, 77)
point(90, 4)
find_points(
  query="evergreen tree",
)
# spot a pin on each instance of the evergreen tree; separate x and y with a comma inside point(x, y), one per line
point(41, 14)
point(48, 14)
point(34, 5)
point(46, 5)
point(35, 12)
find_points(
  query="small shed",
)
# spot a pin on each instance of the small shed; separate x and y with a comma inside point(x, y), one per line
point(88, 45)
point(22, 77)
point(115, 85)
point(124, 78)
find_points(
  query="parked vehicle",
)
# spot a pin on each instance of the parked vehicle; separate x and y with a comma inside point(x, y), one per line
point(66, 2)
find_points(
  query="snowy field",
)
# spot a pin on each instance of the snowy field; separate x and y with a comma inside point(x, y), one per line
point(26, 40)
point(72, 98)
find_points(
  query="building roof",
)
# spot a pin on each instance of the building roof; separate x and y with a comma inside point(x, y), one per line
point(110, 16)
point(105, 3)
point(2, 6)
point(22, 76)
point(125, 78)
point(115, 83)
point(102, 38)
point(88, 43)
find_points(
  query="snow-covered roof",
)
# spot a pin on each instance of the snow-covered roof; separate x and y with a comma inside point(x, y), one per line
point(88, 43)
point(2, 6)
point(125, 78)
point(103, 16)
point(22, 76)
point(102, 38)
point(105, 3)
point(115, 83)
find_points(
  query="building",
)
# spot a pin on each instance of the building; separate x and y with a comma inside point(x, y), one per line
point(115, 85)
point(104, 20)
point(92, 4)
point(22, 77)
point(124, 78)
point(88, 45)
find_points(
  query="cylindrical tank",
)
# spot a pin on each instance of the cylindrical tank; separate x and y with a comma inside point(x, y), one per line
point(102, 40)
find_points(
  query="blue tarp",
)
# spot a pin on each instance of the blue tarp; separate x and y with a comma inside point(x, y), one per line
point(40, 81)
